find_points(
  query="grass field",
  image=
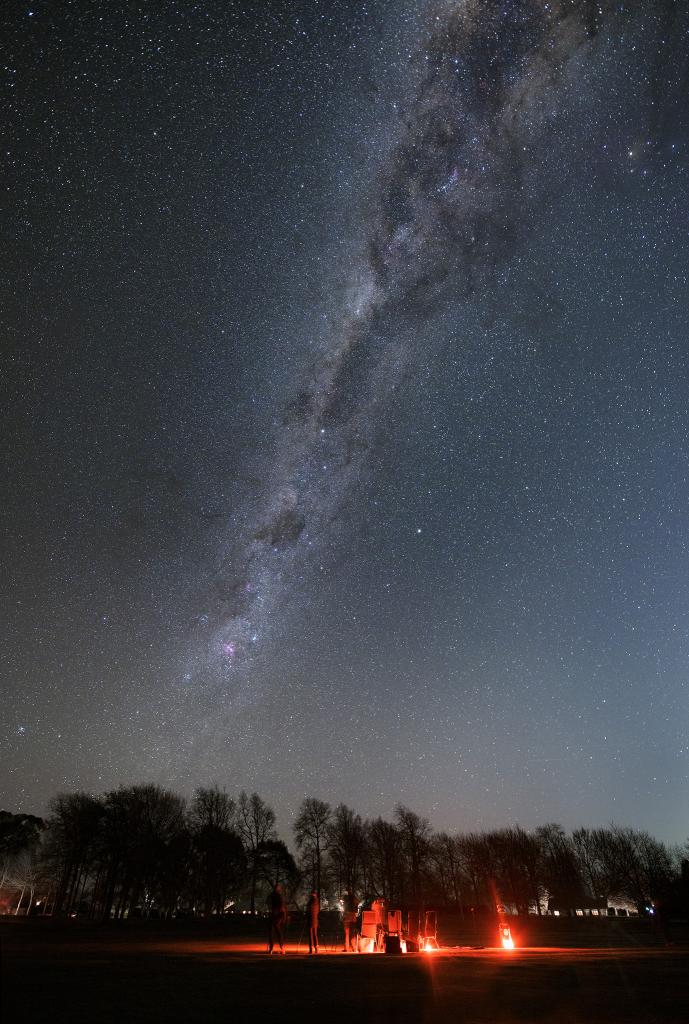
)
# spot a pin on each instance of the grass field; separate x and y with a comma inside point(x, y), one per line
point(134, 972)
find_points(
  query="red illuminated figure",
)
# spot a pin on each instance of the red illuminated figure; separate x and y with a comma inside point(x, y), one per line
point(506, 940)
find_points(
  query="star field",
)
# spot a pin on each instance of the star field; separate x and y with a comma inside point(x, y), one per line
point(346, 368)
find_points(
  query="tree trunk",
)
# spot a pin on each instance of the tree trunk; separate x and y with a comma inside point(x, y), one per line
point(21, 897)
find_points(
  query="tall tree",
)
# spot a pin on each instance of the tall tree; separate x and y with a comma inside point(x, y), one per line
point(310, 832)
point(19, 834)
point(141, 830)
point(601, 861)
point(74, 846)
point(256, 825)
point(561, 875)
point(385, 860)
point(346, 846)
point(521, 868)
point(26, 872)
point(477, 865)
point(218, 849)
point(646, 865)
point(415, 836)
point(445, 855)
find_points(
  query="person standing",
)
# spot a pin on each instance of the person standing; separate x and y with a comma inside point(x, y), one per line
point(349, 921)
point(278, 917)
point(313, 908)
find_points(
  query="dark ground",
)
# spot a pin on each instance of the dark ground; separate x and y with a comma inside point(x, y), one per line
point(194, 972)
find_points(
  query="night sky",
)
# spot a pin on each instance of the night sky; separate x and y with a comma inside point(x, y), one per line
point(345, 361)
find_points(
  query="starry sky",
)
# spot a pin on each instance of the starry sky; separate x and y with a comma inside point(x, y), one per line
point(346, 373)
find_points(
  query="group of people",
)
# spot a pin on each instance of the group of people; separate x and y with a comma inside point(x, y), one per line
point(277, 909)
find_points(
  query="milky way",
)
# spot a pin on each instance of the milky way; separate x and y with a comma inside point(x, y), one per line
point(347, 379)
point(451, 205)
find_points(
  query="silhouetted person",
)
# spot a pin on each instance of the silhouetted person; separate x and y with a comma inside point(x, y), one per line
point(349, 921)
point(278, 917)
point(312, 911)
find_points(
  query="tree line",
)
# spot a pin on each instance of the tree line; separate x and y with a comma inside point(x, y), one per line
point(146, 851)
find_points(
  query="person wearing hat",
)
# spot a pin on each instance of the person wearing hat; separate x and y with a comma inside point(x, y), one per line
point(313, 908)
